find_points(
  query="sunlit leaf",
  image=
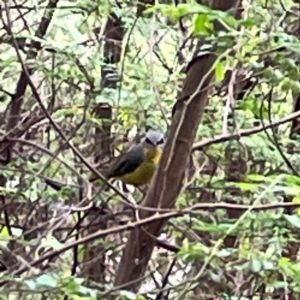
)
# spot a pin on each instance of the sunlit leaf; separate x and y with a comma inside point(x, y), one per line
point(128, 295)
point(220, 71)
point(200, 23)
point(244, 186)
point(296, 200)
point(47, 280)
point(112, 56)
point(255, 265)
point(269, 265)
point(294, 220)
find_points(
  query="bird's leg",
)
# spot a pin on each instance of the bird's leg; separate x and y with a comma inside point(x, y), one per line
point(124, 188)
point(128, 190)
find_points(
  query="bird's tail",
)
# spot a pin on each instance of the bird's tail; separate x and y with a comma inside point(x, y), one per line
point(54, 184)
point(59, 185)
point(105, 172)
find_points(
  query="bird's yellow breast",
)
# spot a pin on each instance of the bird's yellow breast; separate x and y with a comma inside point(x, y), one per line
point(144, 172)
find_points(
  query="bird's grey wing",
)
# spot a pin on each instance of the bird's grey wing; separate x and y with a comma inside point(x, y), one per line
point(127, 162)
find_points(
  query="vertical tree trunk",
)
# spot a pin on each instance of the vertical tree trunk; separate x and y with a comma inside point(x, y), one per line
point(94, 258)
point(13, 120)
point(168, 181)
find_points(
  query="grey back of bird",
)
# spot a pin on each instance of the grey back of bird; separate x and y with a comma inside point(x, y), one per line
point(127, 162)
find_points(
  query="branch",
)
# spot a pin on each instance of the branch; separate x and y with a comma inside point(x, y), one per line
point(138, 224)
point(157, 217)
point(35, 46)
point(246, 132)
point(168, 180)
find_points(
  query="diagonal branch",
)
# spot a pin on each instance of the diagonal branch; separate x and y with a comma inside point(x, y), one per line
point(35, 46)
point(148, 221)
point(245, 132)
point(167, 183)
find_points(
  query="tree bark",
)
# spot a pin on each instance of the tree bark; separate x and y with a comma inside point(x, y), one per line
point(13, 125)
point(94, 258)
point(167, 182)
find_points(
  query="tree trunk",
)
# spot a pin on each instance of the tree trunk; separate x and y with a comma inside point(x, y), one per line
point(94, 256)
point(167, 182)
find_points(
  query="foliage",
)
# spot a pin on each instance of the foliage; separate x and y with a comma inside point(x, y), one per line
point(223, 251)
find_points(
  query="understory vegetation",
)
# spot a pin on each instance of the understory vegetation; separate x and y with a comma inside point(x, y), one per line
point(81, 81)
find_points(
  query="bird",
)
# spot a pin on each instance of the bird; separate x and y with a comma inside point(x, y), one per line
point(137, 166)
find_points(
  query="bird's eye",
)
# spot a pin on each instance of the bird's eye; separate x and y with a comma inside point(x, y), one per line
point(160, 142)
point(148, 141)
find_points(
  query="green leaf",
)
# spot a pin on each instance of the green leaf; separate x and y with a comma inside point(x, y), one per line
point(223, 253)
point(31, 284)
point(87, 292)
point(288, 190)
point(216, 277)
point(293, 220)
point(47, 280)
point(200, 23)
point(245, 186)
point(268, 265)
point(248, 23)
point(4, 233)
point(7, 191)
point(128, 295)
point(219, 71)
point(255, 265)
point(181, 10)
point(292, 179)
point(190, 252)
point(259, 178)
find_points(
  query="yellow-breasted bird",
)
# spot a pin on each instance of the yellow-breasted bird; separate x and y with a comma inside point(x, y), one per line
point(137, 166)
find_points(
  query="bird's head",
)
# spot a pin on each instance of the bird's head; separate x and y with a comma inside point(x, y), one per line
point(154, 139)
point(153, 144)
